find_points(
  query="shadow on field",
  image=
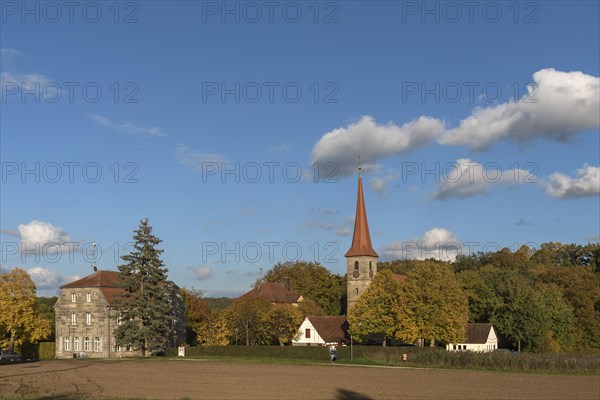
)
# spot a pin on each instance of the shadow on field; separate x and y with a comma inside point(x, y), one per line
point(343, 394)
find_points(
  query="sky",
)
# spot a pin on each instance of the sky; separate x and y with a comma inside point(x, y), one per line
point(237, 127)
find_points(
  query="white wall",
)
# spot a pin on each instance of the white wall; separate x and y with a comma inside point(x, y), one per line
point(490, 345)
point(314, 340)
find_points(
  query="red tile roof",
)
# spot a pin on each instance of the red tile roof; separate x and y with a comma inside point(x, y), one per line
point(97, 279)
point(331, 329)
point(105, 280)
point(275, 292)
point(361, 240)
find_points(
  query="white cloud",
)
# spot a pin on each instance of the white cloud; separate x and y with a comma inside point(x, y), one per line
point(127, 127)
point(564, 104)
point(371, 142)
point(587, 183)
point(12, 80)
point(379, 184)
point(344, 231)
point(327, 220)
point(201, 273)
point(47, 280)
point(196, 159)
point(438, 243)
point(39, 236)
point(277, 150)
point(469, 178)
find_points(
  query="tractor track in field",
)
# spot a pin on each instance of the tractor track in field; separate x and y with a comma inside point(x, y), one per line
point(172, 379)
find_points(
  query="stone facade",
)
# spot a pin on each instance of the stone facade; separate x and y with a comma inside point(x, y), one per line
point(86, 321)
point(360, 272)
point(78, 319)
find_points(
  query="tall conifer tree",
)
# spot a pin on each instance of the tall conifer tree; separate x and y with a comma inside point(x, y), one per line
point(144, 307)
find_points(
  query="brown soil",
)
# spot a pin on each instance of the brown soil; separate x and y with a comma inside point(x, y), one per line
point(197, 379)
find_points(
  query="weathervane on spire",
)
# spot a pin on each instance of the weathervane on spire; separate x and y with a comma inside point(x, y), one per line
point(359, 168)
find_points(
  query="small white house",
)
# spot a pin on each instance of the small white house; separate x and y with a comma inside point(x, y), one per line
point(479, 337)
point(321, 331)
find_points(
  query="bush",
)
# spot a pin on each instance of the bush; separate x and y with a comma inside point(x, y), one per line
point(278, 352)
point(47, 350)
point(417, 357)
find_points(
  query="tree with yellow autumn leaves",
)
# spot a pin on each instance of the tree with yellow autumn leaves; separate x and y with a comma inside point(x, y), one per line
point(20, 320)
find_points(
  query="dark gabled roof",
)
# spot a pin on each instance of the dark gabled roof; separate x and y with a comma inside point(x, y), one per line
point(331, 329)
point(97, 279)
point(104, 280)
point(275, 292)
point(477, 333)
point(361, 239)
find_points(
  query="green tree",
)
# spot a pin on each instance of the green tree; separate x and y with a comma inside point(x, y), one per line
point(532, 315)
point(213, 330)
point(375, 313)
point(196, 312)
point(432, 305)
point(310, 307)
point(20, 319)
point(580, 288)
point(45, 306)
point(313, 281)
point(248, 316)
point(283, 322)
point(144, 305)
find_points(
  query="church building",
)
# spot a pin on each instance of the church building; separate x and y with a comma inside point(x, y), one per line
point(361, 259)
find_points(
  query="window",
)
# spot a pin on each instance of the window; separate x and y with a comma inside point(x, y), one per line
point(119, 320)
point(86, 344)
point(96, 344)
point(88, 297)
point(370, 266)
point(73, 298)
point(76, 344)
point(73, 319)
point(88, 318)
point(356, 265)
point(67, 344)
point(356, 290)
point(307, 333)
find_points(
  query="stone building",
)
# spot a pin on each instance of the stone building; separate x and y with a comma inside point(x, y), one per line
point(86, 320)
point(361, 259)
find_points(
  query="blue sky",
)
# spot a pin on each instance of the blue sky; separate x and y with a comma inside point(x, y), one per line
point(236, 128)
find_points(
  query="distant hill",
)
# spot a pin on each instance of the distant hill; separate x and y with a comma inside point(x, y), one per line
point(218, 303)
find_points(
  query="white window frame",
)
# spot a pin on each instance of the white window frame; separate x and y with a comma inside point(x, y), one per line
point(88, 318)
point(73, 318)
point(88, 297)
point(76, 344)
point(97, 347)
point(73, 298)
point(67, 343)
point(86, 343)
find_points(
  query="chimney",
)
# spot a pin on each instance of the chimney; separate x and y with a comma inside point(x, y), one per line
point(287, 283)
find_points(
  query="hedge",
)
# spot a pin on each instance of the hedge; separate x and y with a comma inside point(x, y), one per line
point(423, 357)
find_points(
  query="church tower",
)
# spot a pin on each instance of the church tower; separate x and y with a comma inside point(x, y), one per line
point(361, 259)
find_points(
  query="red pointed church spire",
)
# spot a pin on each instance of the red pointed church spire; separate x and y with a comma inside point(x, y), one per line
point(361, 240)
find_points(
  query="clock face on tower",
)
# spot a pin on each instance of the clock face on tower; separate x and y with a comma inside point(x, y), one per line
point(355, 274)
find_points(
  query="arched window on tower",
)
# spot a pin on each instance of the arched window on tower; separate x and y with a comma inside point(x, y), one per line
point(370, 266)
point(356, 290)
point(356, 265)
